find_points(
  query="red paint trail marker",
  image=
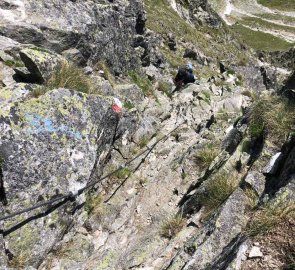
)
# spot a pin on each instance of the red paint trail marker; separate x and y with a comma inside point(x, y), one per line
point(117, 105)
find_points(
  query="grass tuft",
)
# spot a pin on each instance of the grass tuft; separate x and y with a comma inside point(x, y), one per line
point(172, 226)
point(39, 91)
point(142, 82)
point(267, 218)
point(128, 104)
point(273, 116)
point(67, 75)
point(143, 141)
point(252, 198)
point(206, 155)
point(217, 191)
point(123, 173)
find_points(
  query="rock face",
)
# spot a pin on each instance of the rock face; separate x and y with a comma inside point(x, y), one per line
point(186, 200)
point(52, 144)
point(99, 30)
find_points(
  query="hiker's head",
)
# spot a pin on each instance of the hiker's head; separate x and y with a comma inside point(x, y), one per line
point(189, 66)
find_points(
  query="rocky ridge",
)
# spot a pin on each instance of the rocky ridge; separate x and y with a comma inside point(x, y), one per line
point(60, 140)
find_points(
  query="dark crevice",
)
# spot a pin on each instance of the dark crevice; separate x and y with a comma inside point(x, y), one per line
point(140, 24)
point(285, 171)
point(9, 254)
point(256, 148)
point(119, 151)
point(266, 80)
point(228, 254)
point(288, 89)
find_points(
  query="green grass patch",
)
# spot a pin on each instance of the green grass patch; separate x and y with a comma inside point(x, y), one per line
point(287, 5)
point(39, 91)
point(123, 173)
point(128, 104)
point(66, 75)
point(142, 82)
point(143, 142)
point(261, 41)
point(217, 190)
point(278, 17)
point(14, 63)
point(203, 157)
point(260, 23)
point(272, 116)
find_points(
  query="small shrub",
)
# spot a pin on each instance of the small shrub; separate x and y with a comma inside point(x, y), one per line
point(143, 83)
point(267, 218)
point(223, 115)
point(207, 94)
point(206, 155)
point(242, 61)
point(172, 226)
point(183, 175)
point(217, 191)
point(143, 181)
point(67, 75)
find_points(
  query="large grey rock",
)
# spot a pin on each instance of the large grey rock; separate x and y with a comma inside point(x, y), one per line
point(257, 181)
point(232, 140)
point(40, 63)
point(50, 146)
point(98, 29)
point(75, 56)
point(131, 91)
point(11, 94)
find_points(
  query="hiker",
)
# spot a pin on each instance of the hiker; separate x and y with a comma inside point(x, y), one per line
point(184, 75)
